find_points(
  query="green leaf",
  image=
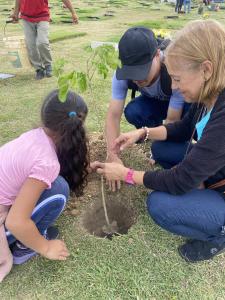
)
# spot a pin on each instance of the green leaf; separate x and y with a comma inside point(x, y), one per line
point(112, 61)
point(82, 81)
point(103, 70)
point(70, 75)
point(63, 92)
point(58, 67)
point(73, 81)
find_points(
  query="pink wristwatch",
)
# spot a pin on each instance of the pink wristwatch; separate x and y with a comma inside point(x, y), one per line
point(129, 177)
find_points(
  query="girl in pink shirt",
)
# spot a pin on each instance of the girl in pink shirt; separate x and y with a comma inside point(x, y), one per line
point(37, 170)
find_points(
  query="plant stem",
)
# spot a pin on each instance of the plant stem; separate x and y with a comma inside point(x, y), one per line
point(103, 201)
point(95, 104)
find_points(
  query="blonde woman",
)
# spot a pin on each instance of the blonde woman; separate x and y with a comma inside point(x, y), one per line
point(189, 199)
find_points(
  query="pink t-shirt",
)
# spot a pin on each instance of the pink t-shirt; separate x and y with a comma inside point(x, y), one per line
point(30, 155)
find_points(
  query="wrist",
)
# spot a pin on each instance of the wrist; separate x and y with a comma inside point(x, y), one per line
point(129, 177)
point(43, 250)
point(112, 155)
point(142, 133)
point(146, 134)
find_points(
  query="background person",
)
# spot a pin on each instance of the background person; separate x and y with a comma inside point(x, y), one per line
point(187, 6)
point(36, 16)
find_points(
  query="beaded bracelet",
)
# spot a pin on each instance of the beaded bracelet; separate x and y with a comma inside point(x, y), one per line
point(146, 129)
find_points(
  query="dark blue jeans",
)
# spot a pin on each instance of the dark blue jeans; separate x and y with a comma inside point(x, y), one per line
point(145, 111)
point(49, 207)
point(169, 154)
point(198, 214)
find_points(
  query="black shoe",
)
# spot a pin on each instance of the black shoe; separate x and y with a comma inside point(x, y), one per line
point(52, 233)
point(40, 74)
point(48, 71)
point(194, 250)
point(22, 254)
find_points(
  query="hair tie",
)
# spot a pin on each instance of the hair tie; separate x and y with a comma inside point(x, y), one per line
point(72, 114)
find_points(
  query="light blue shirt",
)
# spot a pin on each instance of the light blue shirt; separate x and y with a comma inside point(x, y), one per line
point(201, 124)
point(120, 88)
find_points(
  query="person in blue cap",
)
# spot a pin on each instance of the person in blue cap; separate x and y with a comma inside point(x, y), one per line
point(142, 69)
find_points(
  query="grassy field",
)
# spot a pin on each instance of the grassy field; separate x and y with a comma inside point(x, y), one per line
point(140, 265)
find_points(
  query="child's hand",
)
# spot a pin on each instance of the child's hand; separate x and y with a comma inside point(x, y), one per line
point(56, 250)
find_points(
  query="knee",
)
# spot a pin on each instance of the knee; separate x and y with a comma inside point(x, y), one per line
point(130, 113)
point(42, 43)
point(61, 186)
point(156, 149)
point(156, 207)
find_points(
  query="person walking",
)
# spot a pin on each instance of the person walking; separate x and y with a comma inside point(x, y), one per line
point(35, 16)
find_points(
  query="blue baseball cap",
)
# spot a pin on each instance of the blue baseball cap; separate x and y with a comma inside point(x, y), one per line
point(137, 48)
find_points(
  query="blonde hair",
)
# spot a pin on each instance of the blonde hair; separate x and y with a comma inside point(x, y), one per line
point(197, 42)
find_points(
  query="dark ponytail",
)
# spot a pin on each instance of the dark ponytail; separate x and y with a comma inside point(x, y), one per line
point(65, 121)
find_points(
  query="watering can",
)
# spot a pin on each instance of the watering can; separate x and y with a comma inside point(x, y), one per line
point(15, 49)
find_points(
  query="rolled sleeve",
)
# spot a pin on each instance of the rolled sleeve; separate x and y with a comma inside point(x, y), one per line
point(119, 88)
point(176, 100)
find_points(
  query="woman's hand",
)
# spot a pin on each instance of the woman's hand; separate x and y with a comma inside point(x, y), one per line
point(56, 250)
point(111, 171)
point(114, 185)
point(128, 139)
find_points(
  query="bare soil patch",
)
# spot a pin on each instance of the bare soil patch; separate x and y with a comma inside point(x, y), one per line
point(120, 205)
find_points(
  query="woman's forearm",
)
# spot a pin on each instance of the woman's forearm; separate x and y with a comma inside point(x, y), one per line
point(157, 133)
point(138, 177)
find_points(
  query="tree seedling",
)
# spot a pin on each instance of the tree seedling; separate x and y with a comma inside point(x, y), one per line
point(102, 59)
point(109, 229)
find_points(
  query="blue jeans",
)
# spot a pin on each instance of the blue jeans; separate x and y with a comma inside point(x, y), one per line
point(198, 214)
point(49, 207)
point(169, 154)
point(146, 111)
point(187, 6)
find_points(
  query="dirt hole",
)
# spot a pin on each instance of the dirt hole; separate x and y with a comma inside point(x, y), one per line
point(94, 219)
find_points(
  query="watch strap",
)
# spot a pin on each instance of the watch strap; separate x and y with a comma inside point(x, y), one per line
point(129, 177)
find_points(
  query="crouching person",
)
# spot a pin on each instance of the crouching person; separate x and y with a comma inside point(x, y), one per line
point(189, 195)
point(37, 171)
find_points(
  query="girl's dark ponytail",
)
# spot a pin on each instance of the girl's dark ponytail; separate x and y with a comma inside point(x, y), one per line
point(73, 154)
point(65, 121)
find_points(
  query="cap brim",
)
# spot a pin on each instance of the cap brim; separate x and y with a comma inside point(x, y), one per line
point(138, 72)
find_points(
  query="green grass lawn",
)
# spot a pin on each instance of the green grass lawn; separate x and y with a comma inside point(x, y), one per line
point(142, 265)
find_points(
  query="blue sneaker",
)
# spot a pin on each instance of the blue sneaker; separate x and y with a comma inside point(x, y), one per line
point(40, 74)
point(48, 71)
point(21, 254)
